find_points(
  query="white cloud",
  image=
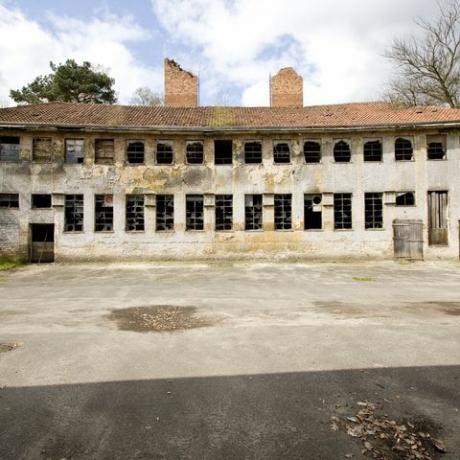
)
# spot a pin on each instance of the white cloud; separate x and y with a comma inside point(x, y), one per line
point(27, 47)
point(336, 45)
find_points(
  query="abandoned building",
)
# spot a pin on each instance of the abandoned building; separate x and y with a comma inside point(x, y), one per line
point(364, 180)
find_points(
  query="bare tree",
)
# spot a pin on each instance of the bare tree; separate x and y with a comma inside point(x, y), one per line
point(428, 67)
point(145, 96)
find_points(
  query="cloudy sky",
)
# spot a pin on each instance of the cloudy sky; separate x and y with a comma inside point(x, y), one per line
point(233, 45)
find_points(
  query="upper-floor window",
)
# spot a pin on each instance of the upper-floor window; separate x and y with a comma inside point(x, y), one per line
point(223, 152)
point(104, 151)
point(40, 201)
point(74, 151)
point(253, 152)
point(42, 150)
point(436, 147)
point(164, 153)
point(403, 150)
point(9, 148)
point(373, 151)
point(312, 152)
point(135, 151)
point(9, 200)
point(194, 152)
point(342, 152)
point(281, 152)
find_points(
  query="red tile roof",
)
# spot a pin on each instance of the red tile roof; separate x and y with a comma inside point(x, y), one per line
point(359, 115)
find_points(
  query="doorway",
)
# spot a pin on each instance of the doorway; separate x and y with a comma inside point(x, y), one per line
point(437, 219)
point(41, 243)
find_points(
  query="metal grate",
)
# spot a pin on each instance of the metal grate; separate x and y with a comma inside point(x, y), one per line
point(342, 211)
point(164, 212)
point(73, 213)
point(9, 148)
point(281, 152)
point(224, 212)
point(373, 151)
point(283, 212)
point(342, 152)
point(253, 152)
point(164, 153)
point(135, 152)
point(135, 221)
point(312, 152)
point(253, 212)
point(104, 213)
point(373, 210)
point(403, 150)
point(194, 215)
point(74, 151)
point(195, 153)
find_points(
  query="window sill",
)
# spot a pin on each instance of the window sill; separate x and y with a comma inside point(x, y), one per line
point(404, 161)
point(343, 230)
point(313, 230)
point(374, 229)
point(10, 161)
point(79, 232)
point(134, 164)
point(282, 164)
point(135, 231)
point(436, 159)
point(165, 231)
point(313, 163)
point(188, 230)
point(342, 162)
point(104, 231)
point(258, 230)
point(283, 230)
point(373, 161)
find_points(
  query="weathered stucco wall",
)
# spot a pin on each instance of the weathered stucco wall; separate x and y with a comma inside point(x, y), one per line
point(238, 179)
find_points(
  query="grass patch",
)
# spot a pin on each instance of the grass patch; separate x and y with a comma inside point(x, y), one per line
point(363, 279)
point(8, 264)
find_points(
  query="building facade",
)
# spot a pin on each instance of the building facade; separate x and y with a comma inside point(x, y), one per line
point(93, 182)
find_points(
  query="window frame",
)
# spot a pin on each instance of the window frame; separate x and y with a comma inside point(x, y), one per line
point(96, 196)
point(37, 140)
point(289, 144)
point(226, 163)
point(305, 220)
point(313, 141)
point(436, 139)
point(169, 142)
point(405, 205)
point(407, 139)
point(344, 141)
point(248, 142)
point(187, 143)
point(368, 225)
point(70, 139)
point(281, 197)
point(372, 141)
point(158, 198)
point(4, 160)
point(82, 205)
point(3, 196)
point(189, 199)
point(224, 198)
point(134, 163)
point(350, 197)
point(97, 161)
point(33, 206)
point(134, 196)
point(246, 207)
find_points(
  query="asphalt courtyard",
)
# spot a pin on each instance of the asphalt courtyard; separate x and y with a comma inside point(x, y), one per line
point(224, 361)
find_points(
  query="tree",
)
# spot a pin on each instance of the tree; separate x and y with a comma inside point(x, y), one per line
point(69, 82)
point(428, 67)
point(145, 96)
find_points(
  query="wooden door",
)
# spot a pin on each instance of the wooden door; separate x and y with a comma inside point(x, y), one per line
point(408, 239)
point(437, 218)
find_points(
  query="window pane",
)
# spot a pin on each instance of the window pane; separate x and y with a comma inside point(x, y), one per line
point(195, 153)
point(165, 153)
point(253, 212)
point(281, 152)
point(194, 212)
point(253, 152)
point(313, 212)
point(342, 211)
point(223, 152)
point(403, 150)
point(224, 212)
point(373, 205)
point(135, 152)
point(104, 213)
point(9, 200)
point(373, 151)
point(283, 212)
point(9, 148)
point(73, 215)
point(164, 212)
point(312, 152)
point(74, 151)
point(135, 213)
point(342, 152)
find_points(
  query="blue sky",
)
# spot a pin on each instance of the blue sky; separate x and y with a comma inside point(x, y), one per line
point(233, 45)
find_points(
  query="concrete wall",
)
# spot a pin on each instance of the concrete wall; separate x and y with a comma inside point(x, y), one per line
point(238, 179)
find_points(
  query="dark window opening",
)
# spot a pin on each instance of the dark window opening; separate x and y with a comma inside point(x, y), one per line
point(195, 153)
point(253, 152)
point(42, 233)
point(223, 152)
point(253, 212)
point(373, 151)
point(41, 201)
point(9, 200)
point(194, 215)
point(42, 150)
point(403, 150)
point(405, 199)
point(342, 152)
point(281, 153)
point(436, 151)
point(104, 151)
point(224, 212)
point(135, 213)
point(373, 210)
point(342, 211)
point(312, 152)
point(104, 213)
point(164, 213)
point(283, 212)
point(164, 153)
point(74, 151)
point(313, 215)
point(9, 148)
point(135, 152)
point(73, 214)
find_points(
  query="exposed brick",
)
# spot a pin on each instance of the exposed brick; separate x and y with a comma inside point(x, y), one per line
point(286, 89)
point(181, 86)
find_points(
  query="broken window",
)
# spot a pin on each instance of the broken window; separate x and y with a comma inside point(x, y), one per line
point(342, 152)
point(135, 213)
point(74, 151)
point(135, 152)
point(283, 212)
point(312, 152)
point(164, 213)
point(224, 212)
point(9, 148)
point(194, 215)
point(373, 210)
point(281, 152)
point(253, 212)
point(42, 150)
point(373, 151)
point(73, 213)
point(223, 152)
point(164, 153)
point(9, 200)
point(313, 216)
point(342, 211)
point(41, 201)
point(195, 153)
point(436, 148)
point(104, 151)
point(405, 199)
point(403, 149)
point(104, 213)
point(253, 152)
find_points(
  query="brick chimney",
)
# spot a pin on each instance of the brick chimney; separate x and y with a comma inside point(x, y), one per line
point(286, 89)
point(181, 86)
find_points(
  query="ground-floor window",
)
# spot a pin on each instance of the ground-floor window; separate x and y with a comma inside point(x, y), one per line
point(135, 221)
point(342, 211)
point(73, 214)
point(194, 215)
point(283, 212)
point(104, 213)
point(164, 213)
point(9, 200)
point(253, 212)
point(224, 212)
point(373, 210)
point(313, 216)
